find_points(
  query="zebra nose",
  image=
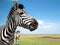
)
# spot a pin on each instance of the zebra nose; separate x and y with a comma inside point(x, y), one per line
point(33, 25)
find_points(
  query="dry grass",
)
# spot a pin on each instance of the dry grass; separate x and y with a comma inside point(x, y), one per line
point(39, 39)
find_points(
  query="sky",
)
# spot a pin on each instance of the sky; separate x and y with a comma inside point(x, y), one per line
point(46, 12)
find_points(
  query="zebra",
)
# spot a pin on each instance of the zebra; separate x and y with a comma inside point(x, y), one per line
point(16, 17)
point(16, 38)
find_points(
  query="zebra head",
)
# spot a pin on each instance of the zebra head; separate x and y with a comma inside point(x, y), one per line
point(22, 19)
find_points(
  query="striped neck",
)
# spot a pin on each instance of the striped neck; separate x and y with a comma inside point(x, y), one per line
point(8, 31)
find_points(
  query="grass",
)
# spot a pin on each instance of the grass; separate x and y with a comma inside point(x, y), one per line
point(39, 39)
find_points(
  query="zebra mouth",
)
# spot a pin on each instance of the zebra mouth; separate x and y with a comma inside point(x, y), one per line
point(33, 26)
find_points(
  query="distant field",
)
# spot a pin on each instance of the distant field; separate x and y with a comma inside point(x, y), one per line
point(40, 39)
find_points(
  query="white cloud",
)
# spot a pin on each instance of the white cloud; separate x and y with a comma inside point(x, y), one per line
point(40, 22)
point(43, 25)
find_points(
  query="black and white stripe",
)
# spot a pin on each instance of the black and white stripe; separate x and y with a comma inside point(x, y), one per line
point(8, 33)
point(17, 17)
point(10, 27)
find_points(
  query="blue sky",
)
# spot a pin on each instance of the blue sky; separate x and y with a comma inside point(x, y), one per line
point(46, 12)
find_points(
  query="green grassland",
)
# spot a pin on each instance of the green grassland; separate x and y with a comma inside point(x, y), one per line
point(40, 39)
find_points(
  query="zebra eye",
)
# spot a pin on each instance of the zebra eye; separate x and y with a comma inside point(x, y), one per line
point(21, 13)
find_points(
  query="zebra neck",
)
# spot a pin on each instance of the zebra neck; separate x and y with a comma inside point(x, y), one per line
point(8, 32)
point(11, 27)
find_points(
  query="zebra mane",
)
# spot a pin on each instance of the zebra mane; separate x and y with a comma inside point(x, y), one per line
point(20, 6)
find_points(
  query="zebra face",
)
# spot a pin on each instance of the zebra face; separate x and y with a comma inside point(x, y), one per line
point(24, 20)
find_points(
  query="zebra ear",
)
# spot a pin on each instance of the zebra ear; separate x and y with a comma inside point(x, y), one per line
point(15, 4)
